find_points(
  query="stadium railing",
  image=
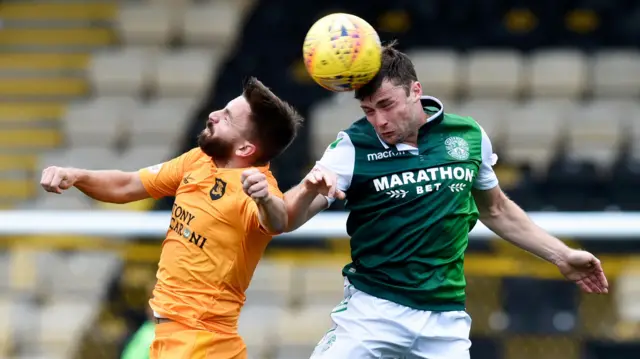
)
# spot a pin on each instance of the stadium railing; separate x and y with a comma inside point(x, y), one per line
point(153, 225)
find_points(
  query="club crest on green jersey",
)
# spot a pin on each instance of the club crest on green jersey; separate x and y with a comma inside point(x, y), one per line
point(457, 148)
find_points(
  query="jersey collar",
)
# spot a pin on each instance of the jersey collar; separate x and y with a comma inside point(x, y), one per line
point(429, 104)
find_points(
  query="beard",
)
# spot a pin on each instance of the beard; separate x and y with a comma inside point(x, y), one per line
point(216, 148)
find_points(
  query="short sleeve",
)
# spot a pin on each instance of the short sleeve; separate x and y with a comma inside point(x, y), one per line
point(487, 178)
point(249, 209)
point(163, 179)
point(340, 158)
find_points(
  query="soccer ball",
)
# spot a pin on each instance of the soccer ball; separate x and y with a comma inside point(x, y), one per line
point(342, 52)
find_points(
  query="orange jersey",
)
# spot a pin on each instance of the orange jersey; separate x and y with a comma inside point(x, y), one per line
point(213, 243)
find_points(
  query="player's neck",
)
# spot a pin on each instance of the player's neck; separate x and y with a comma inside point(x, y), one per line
point(233, 162)
point(422, 120)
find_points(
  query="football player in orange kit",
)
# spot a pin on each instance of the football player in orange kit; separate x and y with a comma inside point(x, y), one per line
point(227, 208)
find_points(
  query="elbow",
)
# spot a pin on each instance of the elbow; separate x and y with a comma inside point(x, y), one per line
point(495, 210)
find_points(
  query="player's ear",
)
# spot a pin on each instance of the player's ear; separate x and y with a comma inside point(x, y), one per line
point(415, 91)
point(246, 149)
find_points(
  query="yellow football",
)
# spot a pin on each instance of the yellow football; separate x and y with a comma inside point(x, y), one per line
point(342, 52)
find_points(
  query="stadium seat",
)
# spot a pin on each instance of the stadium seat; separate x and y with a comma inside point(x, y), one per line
point(147, 23)
point(5, 272)
point(497, 73)
point(81, 275)
point(557, 73)
point(533, 132)
point(483, 301)
point(121, 72)
point(215, 23)
point(6, 330)
point(330, 117)
point(538, 347)
point(573, 185)
point(62, 323)
point(296, 337)
point(256, 327)
point(271, 285)
point(633, 129)
point(598, 313)
point(144, 156)
point(595, 132)
point(490, 114)
point(320, 285)
point(185, 73)
point(161, 122)
point(611, 73)
point(627, 292)
point(611, 349)
point(95, 158)
point(61, 203)
point(438, 71)
point(536, 313)
point(97, 122)
point(623, 187)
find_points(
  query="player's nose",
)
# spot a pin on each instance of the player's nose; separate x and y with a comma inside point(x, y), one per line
point(213, 118)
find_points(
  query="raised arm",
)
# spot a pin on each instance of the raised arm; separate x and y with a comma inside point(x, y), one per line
point(106, 186)
point(305, 200)
point(510, 222)
point(327, 181)
point(115, 186)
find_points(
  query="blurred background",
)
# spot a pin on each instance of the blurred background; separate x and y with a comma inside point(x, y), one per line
point(128, 84)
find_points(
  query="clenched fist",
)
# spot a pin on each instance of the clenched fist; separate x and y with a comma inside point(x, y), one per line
point(254, 184)
point(57, 179)
point(324, 182)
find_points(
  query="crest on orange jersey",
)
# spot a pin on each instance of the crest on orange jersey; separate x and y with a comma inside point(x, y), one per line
point(218, 189)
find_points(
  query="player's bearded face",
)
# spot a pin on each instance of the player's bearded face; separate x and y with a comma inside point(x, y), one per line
point(213, 146)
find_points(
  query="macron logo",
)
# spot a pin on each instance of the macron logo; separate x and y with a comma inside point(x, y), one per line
point(385, 154)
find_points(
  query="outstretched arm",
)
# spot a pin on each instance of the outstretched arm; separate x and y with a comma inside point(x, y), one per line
point(120, 187)
point(303, 204)
point(106, 186)
point(509, 221)
point(327, 181)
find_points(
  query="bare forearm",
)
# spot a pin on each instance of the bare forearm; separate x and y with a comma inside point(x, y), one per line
point(301, 205)
point(272, 214)
point(511, 223)
point(109, 186)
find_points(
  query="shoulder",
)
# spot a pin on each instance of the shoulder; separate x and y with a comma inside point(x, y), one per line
point(193, 156)
point(452, 119)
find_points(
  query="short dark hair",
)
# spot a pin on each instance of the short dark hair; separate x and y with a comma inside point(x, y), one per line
point(395, 67)
point(275, 122)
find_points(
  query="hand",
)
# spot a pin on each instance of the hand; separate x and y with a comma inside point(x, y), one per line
point(324, 182)
point(254, 184)
point(57, 179)
point(584, 269)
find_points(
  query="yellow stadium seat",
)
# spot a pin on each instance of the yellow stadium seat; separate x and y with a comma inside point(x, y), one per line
point(30, 138)
point(44, 86)
point(536, 347)
point(23, 270)
point(9, 162)
point(6, 330)
point(144, 205)
point(59, 61)
point(87, 11)
point(483, 303)
point(296, 336)
point(16, 189)
point(31, 111)
point(57, 36)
